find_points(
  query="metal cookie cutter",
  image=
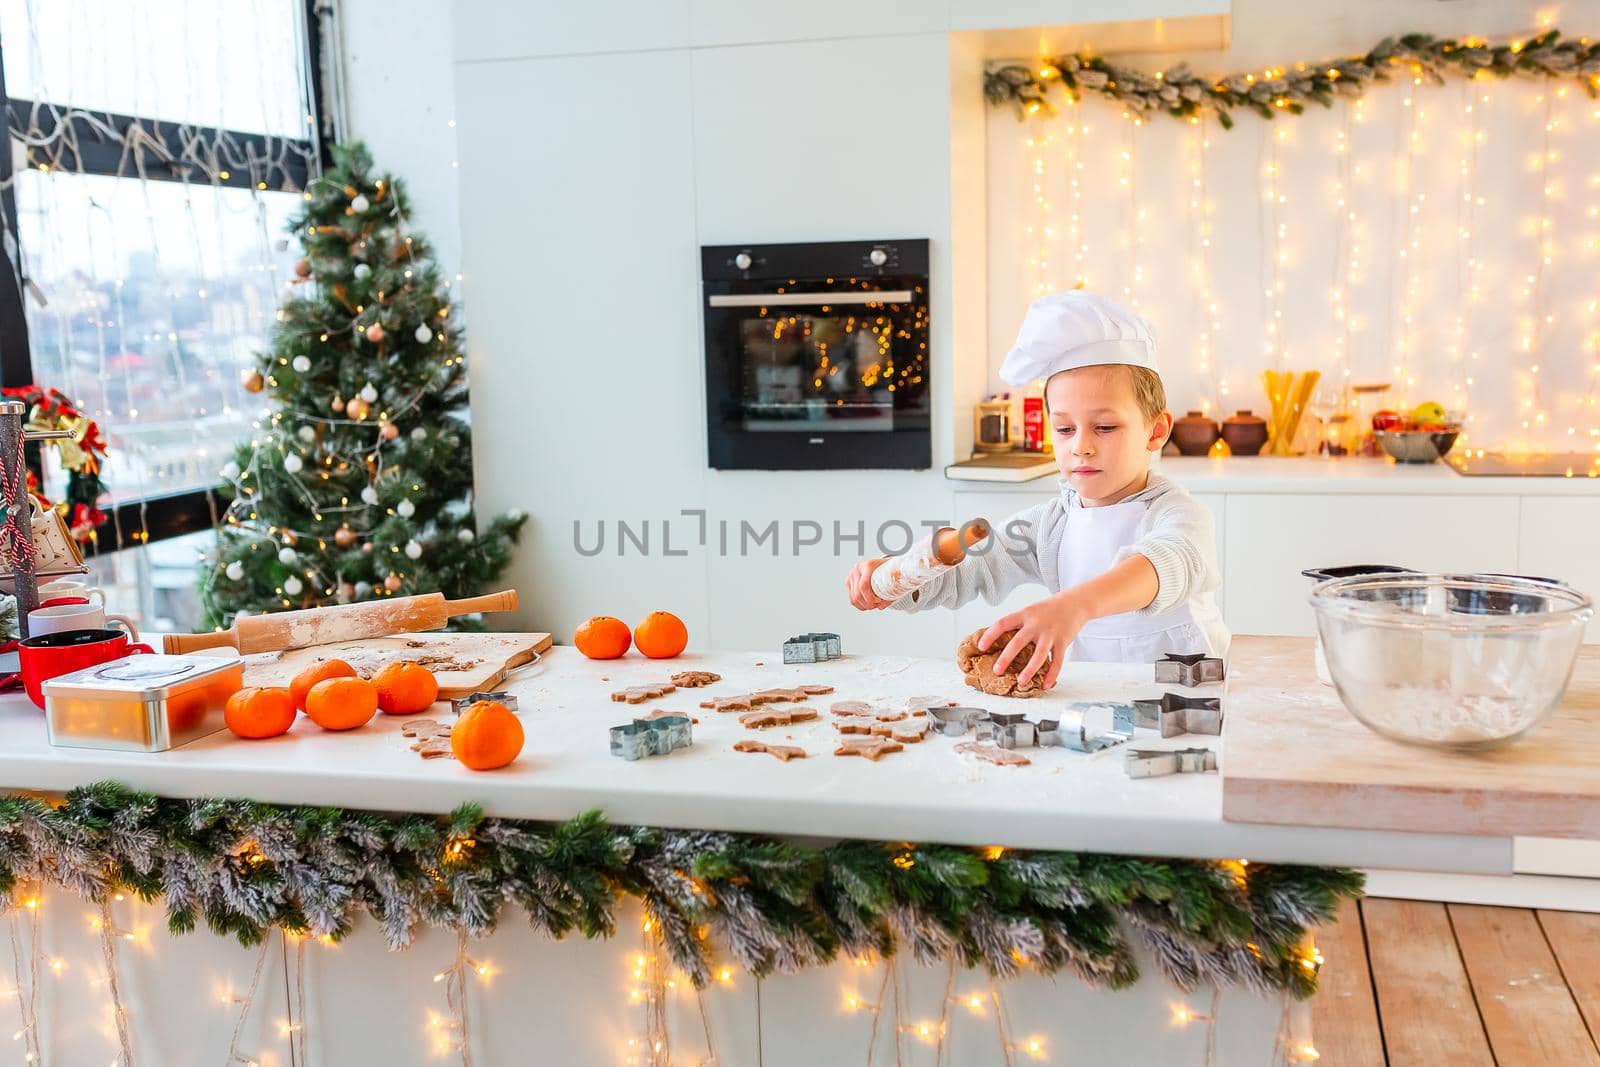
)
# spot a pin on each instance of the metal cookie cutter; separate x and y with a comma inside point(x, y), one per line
point(1072, 729)
point(461, 704)
point(811, 648)
point(954, 722)
point(1174, 715)
point(1008, 729)
point(650, 737)
point(1173, 669)
point(1151, 763)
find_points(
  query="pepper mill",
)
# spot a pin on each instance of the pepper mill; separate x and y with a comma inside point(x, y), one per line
point(18, 504)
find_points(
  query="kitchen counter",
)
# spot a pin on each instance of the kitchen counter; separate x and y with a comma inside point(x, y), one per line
point(1064, 800)
point(1323, 475)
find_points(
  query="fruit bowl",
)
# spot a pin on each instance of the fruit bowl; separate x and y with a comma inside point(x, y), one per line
point(1449, 660)
point(1418, 446)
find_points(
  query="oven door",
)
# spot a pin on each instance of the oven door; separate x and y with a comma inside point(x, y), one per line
point(821, 373)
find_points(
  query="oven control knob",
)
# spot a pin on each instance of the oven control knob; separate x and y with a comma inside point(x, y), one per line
point(742, 261)
point(878, 257)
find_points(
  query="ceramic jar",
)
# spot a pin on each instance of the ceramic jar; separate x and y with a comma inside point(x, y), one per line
point(1194, 434)
point(1245, 433)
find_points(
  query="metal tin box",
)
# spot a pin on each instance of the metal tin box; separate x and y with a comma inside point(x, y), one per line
point(141, 703)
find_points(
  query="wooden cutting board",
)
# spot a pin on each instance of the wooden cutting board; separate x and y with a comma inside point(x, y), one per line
point(463, 663)
point(1292, 754)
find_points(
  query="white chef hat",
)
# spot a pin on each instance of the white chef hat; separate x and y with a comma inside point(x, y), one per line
point(1073, 329)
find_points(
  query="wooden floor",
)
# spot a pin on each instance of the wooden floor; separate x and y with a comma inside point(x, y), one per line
point(1416, 984)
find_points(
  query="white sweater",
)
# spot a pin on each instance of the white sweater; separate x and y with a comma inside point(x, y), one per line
point(1177, 536)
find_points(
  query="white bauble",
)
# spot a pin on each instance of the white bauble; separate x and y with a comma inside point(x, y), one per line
point(307, 434)
point(235, 571)
point(361, 270)
point(300, 363)
point(516, 514)
point(424, 335)
point(419, 434)
point(230, 471)
point(405, 509)
point(369, 393)
point(292, 586)
point(413, 550)
point(465, 536)
point(286, 555)
point(359, 204)
point(242, 613)
point(363, 590)
point(293, 464)
point(369, 495)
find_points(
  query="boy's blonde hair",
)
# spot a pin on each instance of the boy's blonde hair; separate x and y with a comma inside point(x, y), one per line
point(1148, 392)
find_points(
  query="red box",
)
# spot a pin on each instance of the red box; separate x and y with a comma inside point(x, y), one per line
point(1033, 424)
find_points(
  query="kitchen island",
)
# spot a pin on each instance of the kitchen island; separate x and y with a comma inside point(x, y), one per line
point(352, 1000)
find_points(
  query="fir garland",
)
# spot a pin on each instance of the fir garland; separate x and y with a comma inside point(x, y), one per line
point(244, 868)
point(1183, 94)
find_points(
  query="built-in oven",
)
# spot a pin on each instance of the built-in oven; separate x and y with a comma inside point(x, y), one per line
point(817, 355)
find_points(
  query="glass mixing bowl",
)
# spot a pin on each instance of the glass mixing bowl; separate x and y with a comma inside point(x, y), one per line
point(1451, 660)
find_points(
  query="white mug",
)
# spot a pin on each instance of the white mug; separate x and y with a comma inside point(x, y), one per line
point(69, 587)
point(76, 617)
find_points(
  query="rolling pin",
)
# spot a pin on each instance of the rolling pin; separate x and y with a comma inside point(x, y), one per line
point(926, 559)
point(339, 622)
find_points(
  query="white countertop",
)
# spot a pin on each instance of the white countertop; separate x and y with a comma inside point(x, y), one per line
point(1064, 800)
point(1322, 475)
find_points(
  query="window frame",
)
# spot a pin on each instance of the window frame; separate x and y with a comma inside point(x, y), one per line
point(134, 523)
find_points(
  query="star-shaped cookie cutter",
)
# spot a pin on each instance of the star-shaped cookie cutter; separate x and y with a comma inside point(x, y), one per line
point(1173, 669)
point(1156, 763)
point(1072, 729)
point(461, 704)
point(1173, 715)
point(1008, 729)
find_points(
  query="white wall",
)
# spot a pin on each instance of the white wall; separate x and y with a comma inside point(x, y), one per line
point(1144, 237)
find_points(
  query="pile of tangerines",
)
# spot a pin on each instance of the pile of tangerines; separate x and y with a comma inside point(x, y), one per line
point(335, 697)
point(662, 635)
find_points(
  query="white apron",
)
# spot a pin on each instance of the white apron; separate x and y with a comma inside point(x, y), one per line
point(1089, 547)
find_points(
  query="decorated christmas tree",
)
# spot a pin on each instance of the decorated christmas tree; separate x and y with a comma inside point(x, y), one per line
point(357, 481)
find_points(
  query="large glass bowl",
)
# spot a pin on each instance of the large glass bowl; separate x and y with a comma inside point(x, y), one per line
point(1450, 660)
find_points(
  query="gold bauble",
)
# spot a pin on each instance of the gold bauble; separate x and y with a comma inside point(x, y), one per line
point(389, 431)
point(344, 537)
point(303, 268)
point(252, 381)
point(375, 332)
point(392, 583)
point(357, 409)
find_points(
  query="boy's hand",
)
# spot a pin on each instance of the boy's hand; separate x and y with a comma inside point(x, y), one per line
point(859, 585)
point(1052, 624)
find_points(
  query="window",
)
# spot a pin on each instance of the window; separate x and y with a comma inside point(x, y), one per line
point(162, 148)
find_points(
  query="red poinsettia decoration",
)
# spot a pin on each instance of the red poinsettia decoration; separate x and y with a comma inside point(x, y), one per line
point(51, 409)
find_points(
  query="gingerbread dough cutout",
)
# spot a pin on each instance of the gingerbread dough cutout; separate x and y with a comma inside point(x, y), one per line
point(1003, 757)
point(638, 694)
point(850, 707)
point(694, 679)
point(783, 752)
point(663, 713)
point(978, 666)
point(739, 703)
point(873, 748)
point(755, 720)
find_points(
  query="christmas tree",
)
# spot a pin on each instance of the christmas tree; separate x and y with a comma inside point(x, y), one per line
point(357, 482)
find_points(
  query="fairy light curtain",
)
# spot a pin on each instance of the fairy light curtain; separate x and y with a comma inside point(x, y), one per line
point(146, 297)
point(1441, 237)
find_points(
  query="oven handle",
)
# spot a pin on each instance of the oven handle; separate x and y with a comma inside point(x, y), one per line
point(745, 300)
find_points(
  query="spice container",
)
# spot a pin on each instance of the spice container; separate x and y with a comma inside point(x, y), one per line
point(141, 703)
point(991, 429)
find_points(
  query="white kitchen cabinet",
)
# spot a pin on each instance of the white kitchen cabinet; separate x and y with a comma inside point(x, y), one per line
point(1272, 537)
point(1560, 538)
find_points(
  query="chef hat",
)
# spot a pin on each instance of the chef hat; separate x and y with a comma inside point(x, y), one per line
point(1073, 329)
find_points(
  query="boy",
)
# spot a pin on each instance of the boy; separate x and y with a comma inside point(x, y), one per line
point(1129, 557)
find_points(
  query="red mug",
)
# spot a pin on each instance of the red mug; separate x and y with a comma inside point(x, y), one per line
point(52, 655)
point(60, 600)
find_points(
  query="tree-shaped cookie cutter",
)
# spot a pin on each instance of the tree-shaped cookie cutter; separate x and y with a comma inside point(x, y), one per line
point(1071, 730)
point(642, 738)
point(1156, 763)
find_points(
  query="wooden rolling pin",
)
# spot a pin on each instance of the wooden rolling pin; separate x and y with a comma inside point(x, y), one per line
point(339, 622)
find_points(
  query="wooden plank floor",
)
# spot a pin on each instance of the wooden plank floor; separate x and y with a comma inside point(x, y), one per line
point(1408, 983)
